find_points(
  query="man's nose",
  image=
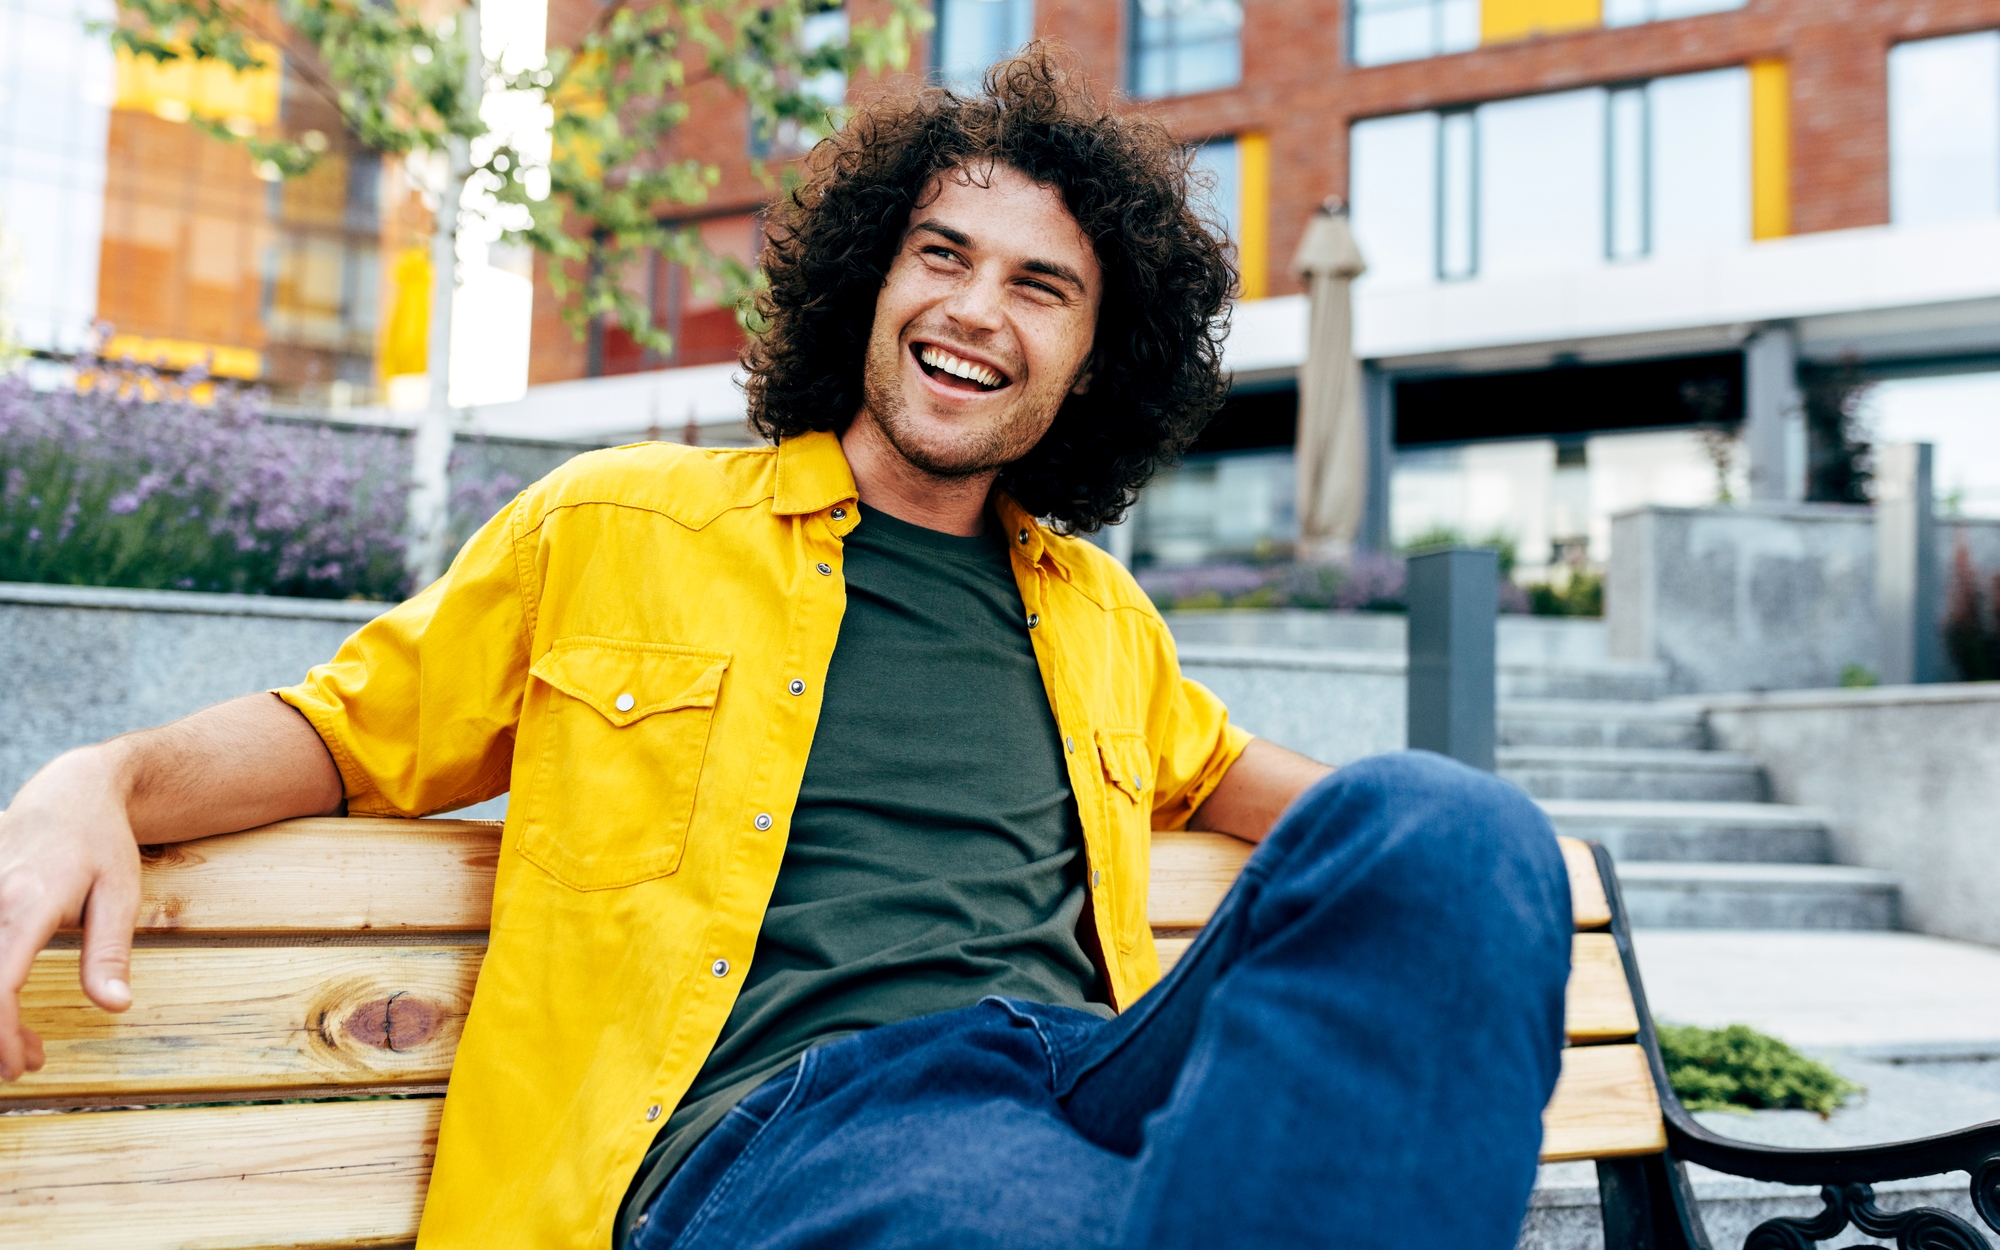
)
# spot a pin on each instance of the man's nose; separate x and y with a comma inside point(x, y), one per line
point(976, 303)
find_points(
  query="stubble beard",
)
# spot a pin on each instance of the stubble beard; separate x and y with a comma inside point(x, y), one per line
point(986, 449)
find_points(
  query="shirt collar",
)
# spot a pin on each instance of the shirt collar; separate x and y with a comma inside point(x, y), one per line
point(812, 474)
point(1025, 535)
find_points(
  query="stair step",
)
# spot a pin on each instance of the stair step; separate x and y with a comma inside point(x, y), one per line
point(1621, 680)
point(1757, 896)
point(1627, 773)
point(1600, 723)
point(1642, 830)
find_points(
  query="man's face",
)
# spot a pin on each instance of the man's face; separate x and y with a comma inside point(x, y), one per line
point(984, 323)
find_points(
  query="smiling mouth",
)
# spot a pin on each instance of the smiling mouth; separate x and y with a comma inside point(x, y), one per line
point(956, 371)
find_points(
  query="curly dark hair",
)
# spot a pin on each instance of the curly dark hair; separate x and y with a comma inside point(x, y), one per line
point(1156, 369)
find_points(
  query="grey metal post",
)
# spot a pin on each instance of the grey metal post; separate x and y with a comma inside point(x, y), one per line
point(1454, 605)
point(1378, 410)
point(1774, 416)
point(1908, 582)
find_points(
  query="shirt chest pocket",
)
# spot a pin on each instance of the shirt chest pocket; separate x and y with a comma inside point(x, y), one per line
point(622, 733)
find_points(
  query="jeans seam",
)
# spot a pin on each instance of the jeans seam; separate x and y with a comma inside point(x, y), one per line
point(730, 1178)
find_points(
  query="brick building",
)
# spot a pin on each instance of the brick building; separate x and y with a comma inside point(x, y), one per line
point(1592, 226)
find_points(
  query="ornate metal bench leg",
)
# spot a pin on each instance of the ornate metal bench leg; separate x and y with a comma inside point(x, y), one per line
point(1921, 1228)
point(1647, 1205)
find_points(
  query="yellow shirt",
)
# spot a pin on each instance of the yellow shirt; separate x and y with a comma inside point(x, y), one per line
point(635, 648)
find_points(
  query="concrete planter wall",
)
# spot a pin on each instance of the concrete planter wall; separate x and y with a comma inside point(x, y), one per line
point(1908, 777)
point(1758, 597)
point(81, 663)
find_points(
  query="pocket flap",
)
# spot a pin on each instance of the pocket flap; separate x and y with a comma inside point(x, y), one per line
point(629, 681)
point(1128, 761)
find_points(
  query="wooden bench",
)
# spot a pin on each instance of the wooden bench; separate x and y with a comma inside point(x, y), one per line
point(320, 971)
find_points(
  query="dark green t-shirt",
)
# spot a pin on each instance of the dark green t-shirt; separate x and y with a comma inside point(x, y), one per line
point(935, 855)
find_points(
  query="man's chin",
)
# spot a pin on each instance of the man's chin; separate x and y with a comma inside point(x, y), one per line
point(952, 454)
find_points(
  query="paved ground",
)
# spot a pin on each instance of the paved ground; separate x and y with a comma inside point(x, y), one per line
point(1896, 995)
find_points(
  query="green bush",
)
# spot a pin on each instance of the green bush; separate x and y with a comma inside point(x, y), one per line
point(1740, 1069)
point(1582, 594)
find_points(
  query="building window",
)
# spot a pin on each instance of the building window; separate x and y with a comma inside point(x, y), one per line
point(1384, 31)
point(1407, 30)
point(1237, 173)
point(1183, 46)
point(973, 34)
point(1555, 181)
point(1944, 129)
point(1636, 12)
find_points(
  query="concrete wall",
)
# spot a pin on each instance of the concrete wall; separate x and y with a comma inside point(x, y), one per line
point(1909, 777)
point(1518, 640)
point(1757, 597)
point(79, 663)
point(1335, 706)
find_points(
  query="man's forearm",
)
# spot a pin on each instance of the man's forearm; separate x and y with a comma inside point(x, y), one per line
point(1256, 790)
point(236, 765)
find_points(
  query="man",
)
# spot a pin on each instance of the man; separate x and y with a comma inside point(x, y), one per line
point(821, 912)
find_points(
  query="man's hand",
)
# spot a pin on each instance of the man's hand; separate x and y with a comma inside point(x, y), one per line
point(69, 843)
point(67, 856)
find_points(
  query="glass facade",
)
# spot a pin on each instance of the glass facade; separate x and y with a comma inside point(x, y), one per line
point(55, 111)
point(973, 34)
point(1944, 129)
point(1555, 181)
point(1180, 47)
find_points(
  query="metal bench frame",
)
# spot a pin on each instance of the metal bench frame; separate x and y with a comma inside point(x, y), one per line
point(1648, 1203)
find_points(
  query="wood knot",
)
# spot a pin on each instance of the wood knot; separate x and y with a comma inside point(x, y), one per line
point(398, 1022)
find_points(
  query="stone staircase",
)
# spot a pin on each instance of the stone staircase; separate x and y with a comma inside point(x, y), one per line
point(1697, 842)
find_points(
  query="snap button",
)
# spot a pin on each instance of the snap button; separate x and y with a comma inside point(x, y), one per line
point(720, 967)
point(763, 820)
point(825, 569)
point(1024, 537)
point(797, 686)
point(1069, 744)
point(840, 514)
point(1034, 619)
point(624, 703)
point(653, 1113)
point(1138, 782)
point(1096, 878)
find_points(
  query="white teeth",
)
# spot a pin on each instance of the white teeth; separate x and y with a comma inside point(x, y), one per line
point(939, 358)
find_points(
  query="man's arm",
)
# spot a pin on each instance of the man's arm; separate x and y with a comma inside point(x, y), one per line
point(69, 842)
point(1256, 790)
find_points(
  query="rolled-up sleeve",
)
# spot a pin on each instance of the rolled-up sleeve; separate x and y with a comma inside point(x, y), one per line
point(1197, 742)
point(420, 705)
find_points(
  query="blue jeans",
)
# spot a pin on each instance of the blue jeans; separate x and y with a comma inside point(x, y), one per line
point(1355, 1053)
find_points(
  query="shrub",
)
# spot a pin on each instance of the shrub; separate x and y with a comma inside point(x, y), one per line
point(128, 481)
point(1580, 594)
point(1364, 583)
point(1740, 1069)
point(1972, 621)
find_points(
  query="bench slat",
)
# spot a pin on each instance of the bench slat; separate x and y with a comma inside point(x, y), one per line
point(318, 1174)
point(1599, 1003)
point(258, 1020)
point(357, 872)
point(375, 874)
point(1587, 900)
point(1599, 1006)
point(1604, 1106)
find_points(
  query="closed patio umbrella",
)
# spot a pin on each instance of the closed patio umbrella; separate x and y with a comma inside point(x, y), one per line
point(1332, 444)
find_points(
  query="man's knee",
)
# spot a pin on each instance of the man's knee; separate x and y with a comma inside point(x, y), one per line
point(1446, 831)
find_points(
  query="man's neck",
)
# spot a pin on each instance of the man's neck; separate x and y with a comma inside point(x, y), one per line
point(891, 484)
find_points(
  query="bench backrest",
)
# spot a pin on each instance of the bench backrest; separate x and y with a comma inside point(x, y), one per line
point(327, 966)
